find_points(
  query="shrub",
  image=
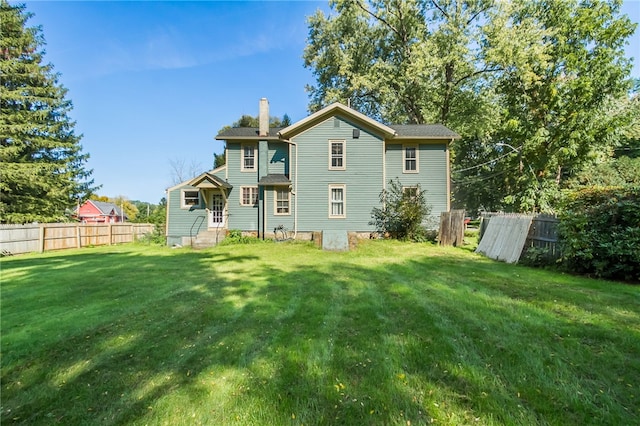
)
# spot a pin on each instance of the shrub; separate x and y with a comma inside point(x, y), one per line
point(403, 212)
point(156, 237)
point(599, 232)
point(234, 236)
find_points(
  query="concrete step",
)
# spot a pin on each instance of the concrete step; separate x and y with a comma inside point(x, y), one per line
point(208, 238)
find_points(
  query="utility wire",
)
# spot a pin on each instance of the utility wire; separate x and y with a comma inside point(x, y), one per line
point(483, 164)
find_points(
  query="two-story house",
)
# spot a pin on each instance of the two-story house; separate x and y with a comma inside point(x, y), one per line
point(322, 174)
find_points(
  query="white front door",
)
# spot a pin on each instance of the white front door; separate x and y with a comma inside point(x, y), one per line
point(216, 214)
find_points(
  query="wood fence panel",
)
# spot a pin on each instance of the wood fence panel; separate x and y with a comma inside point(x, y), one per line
point(505, 237)
point(543, 234)
point(17, 239)
point(60, 236)
point(452, 228)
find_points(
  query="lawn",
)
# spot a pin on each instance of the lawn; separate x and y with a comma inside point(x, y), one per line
point(286, 334)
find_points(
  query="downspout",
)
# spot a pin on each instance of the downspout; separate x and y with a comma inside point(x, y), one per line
point(449, 175)
point(295, 191)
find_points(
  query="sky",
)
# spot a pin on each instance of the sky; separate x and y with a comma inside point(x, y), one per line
point(152, 82)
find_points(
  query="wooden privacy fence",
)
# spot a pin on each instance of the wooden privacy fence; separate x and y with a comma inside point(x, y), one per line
point(507, 236)
point(16, 239)
point(452, 228)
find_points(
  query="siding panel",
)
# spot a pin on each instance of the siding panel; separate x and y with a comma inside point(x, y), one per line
point(181, 220)
point(432, 160)
point(362, 176)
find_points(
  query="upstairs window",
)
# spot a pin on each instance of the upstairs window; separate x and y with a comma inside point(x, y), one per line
point(337, 160)
point(249, 196)
point(190, 198)
point(410, 158)
point(248, 158)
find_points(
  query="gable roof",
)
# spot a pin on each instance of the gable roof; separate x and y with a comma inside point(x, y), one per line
point(107, 208)
point(334, 109)
point(390, 132)
point(208, 180)
point(188, 181)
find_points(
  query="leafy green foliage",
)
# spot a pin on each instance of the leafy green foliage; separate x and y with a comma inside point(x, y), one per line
point(43, 167)
point(234, 236)
point(547, 77)
point(559, 93)
point(600, 232)
point(403, 212)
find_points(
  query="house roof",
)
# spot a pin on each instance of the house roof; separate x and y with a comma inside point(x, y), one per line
point(432, 131)
point(333, 110)
point(274, 180)
point(187, 182)
point(390, 132)
point(247, 133)
point(106, 208)
point(208, 180)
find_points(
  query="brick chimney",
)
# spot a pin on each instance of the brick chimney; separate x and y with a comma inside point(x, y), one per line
point(264, 117)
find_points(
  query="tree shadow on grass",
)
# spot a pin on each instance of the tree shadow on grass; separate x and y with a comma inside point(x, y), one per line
point(221, 337)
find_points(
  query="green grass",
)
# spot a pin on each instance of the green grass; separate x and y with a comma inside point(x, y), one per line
point(280, 334)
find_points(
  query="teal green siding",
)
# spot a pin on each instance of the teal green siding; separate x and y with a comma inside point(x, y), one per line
point(278, 158)
point(432, 176)
point(241, 217)
point(181, 221)
point(362, 176)
point(369, 164)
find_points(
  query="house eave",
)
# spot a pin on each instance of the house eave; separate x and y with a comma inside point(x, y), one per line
point(333, 110)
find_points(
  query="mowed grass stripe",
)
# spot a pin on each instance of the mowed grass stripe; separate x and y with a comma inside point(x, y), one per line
point(389, 333)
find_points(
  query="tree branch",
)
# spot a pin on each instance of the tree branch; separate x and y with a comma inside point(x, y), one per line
point(473, 74)
point(446, 15)
point(379, 18)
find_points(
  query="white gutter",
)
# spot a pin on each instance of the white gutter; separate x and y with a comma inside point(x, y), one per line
point(295, 191)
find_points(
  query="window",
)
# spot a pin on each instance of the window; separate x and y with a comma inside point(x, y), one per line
point(190, 198)
point(249, 196)
point(248, 158)
point(337, 155)
point(337, 201)
point(410, 192)
point(410, 157)
point(282, 201)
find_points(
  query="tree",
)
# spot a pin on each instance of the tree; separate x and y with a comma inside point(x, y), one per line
point(403, 211)
point(542, 77)
point(181, 171)
point(558, 94)
point(41, 159)
point(401, 61)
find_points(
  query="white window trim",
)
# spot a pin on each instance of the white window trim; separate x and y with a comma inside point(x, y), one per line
point(344, 201)
point(242, 188)
point(275, 201)
point(404, 158)
point(344, 154)
point(255, 150)
point(183, 205)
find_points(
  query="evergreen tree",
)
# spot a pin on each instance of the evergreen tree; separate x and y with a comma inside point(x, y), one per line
point(41, 159)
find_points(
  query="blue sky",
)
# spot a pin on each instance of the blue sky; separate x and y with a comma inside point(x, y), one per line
point(153, 82)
